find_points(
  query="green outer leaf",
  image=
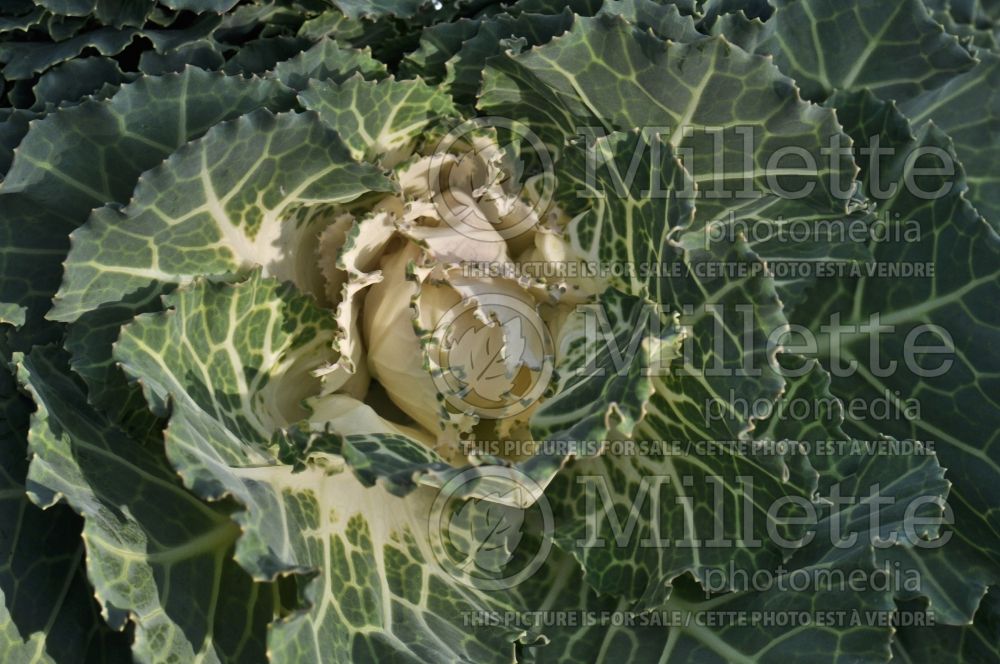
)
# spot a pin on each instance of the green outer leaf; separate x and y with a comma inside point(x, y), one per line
point(712, 10)
point(200, 28)
point(971, 36)
point(244, 374)
point(89, 340)
point(438, 43)
point(682, 637)
point(327, 61)
point(392, 461)
point(967, 108)
point(33, 242)
point(22, 60)
point(976, 643)
point(47, 612)
point(328, 23)
point(898, 50)
point(62, 28)
point(629, 196)
point(692, 626)
point(217, 6)
point(494, 36)
point(232, 382)
point(379, 8)
point(72, 80)
point(75, 159)
point(12, 647)
point(119, 13)
point(143, 561)
point(666, 20)
point(203, 54)
point(975, 11)
point(57, 184)
point(952, 577)
point(93, 153)
point(12, 314)
point(595, 395)
point(262, 55)
point(956, 576)
point(666, 87)
point(245, 20)
point(398, 464)
point(957, 408)
point(13, 127)
point(807, 382)
point(389, 39)
point(746, 33)
point(217, 206)
point(606, 233)
point(376, 118)
point(580, 7)
point(22, 22)
point(69, 7)
point(904, 56)
point(620, 223)
point(916, 477)
point(675, 414)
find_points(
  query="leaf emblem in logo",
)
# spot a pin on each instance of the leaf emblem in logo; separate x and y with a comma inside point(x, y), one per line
point(486, 358)
point(486, 533)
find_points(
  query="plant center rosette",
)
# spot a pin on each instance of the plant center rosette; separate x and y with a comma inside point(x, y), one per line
point(445, 323)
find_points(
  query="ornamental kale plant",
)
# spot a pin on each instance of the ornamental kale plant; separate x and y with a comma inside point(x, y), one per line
point(477, 331)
